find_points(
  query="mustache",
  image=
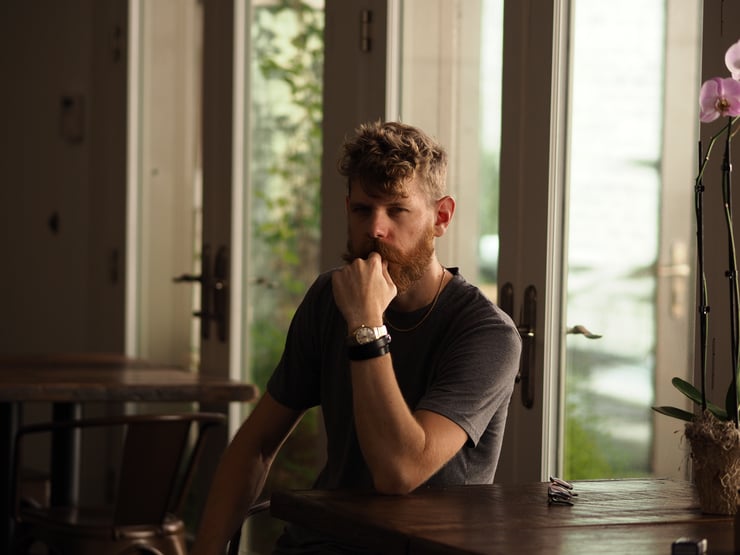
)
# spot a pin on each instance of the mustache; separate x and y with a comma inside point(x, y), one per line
point(386, 252)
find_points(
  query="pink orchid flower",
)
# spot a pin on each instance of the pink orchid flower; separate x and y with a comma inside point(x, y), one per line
point(719, 97)
point(732, 60)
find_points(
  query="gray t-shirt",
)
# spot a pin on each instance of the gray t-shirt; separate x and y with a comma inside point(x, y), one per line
point(461, 362)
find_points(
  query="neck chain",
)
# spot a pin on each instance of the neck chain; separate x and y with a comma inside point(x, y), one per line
point(431, 307)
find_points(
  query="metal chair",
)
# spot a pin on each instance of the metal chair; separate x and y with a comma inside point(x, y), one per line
point(158, 456)
point(257, 508)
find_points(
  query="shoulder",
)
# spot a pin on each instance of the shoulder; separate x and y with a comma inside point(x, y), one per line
point(320, 290)
point(471, 317)
point(463, 297)
point(317, 304)
point(322, 283)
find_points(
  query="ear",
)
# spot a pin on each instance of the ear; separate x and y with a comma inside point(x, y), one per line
point(445, 209)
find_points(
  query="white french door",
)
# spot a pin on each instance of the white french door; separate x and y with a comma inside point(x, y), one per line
point(608, 241)
point(499, 84)
point(551, 137)
point(599, 143)
point(180, 220)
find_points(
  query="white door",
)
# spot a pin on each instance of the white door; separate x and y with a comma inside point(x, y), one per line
point(607, 243)
point(431, 64)
point(545, 202)
point(164, 189)
point(180, 264)
point(210, 169)
point(181, 184)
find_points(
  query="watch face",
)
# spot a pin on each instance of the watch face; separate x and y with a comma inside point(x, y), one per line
point(364, 335)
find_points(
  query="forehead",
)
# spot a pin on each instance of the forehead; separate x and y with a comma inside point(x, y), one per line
point(410, 192)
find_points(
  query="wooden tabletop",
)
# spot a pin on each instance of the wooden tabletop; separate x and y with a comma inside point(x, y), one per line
point(79, 384)
point(68, 380)
point(613, 516)
point(73, 359)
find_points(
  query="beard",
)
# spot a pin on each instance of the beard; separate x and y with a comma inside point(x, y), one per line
point(404, 269)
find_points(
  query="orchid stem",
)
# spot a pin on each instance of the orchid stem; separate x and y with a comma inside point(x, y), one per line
point(702, 278)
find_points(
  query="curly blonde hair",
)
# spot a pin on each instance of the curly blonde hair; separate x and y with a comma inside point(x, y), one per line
point(383, 157)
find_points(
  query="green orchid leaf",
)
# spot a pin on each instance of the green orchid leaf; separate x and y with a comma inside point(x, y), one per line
point(695, 395)
point(673, 412)
point(687, 389)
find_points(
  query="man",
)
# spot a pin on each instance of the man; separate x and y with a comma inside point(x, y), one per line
point(412, 366)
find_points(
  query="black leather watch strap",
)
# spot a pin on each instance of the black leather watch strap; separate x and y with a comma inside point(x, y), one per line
point(377, 348)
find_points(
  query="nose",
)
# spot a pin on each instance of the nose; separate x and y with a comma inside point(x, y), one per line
point(378, 224)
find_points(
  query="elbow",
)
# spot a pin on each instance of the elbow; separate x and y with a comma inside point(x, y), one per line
point(393, 488)
point(390, 482)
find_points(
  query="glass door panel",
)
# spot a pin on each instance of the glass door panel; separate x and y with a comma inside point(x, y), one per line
point(618, 195)
point(284, 118)
point(491, 49)
point(451, 87)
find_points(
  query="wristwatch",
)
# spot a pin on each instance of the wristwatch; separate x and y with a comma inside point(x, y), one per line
point(366, 334)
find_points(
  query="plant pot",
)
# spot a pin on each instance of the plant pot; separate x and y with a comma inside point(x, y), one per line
point(715, 454)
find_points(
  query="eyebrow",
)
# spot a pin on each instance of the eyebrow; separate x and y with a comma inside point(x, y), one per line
point(391, 207)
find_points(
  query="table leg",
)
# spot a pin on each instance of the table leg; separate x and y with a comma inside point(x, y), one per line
point(65, 456)
point(8, 426)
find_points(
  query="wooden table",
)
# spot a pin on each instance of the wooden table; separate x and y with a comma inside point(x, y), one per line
point(612, 516)
point(67, 382)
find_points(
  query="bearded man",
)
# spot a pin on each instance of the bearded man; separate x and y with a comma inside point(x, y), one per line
point(413, 366)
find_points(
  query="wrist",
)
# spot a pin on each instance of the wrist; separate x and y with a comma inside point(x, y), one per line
point(372, 349)
point(367, 321)
point(365, 334)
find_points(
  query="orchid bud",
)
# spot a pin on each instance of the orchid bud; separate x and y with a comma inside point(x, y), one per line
point(732, 60)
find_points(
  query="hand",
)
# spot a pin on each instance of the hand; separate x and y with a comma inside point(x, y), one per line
point(363, 289)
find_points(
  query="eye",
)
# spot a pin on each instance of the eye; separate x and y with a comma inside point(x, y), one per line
point(397, 210)
point(360, 209)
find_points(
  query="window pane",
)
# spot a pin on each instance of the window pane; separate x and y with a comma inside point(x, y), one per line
point(451, 88)
point(615, 182)
point(285, 117)
point(491, 60)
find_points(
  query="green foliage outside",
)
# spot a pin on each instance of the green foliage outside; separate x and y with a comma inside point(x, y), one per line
point(489, 193)
point(584, 459)
point(286, 70)
point(590, 447)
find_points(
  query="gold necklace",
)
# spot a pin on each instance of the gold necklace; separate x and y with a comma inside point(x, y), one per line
point(423, 319)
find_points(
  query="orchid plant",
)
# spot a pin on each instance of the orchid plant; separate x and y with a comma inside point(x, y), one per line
point(719, 98)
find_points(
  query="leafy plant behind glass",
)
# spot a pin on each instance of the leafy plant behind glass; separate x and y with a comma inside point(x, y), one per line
point(287, 115)
point(287, 72)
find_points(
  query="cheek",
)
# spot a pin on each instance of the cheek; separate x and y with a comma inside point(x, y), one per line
point(354, 227)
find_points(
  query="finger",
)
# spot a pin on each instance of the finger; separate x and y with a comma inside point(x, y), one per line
point(374, 257)
point(386, 273)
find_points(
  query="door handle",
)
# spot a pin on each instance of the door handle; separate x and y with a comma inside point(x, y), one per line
point(527, 321)
point(220, 292)
point(214, 301)
point(205, 281)
point(584, 331)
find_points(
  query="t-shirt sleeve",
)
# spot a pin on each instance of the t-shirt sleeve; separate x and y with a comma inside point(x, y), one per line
point(476, 371)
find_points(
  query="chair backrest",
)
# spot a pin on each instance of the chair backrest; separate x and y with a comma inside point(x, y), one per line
point(157, 461)
point(234, 545)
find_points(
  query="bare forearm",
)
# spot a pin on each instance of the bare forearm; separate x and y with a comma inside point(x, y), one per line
point(233, 491)
point(392, 440)
point(241, 473)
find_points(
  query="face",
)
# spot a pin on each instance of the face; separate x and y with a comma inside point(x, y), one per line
point(401, 230)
